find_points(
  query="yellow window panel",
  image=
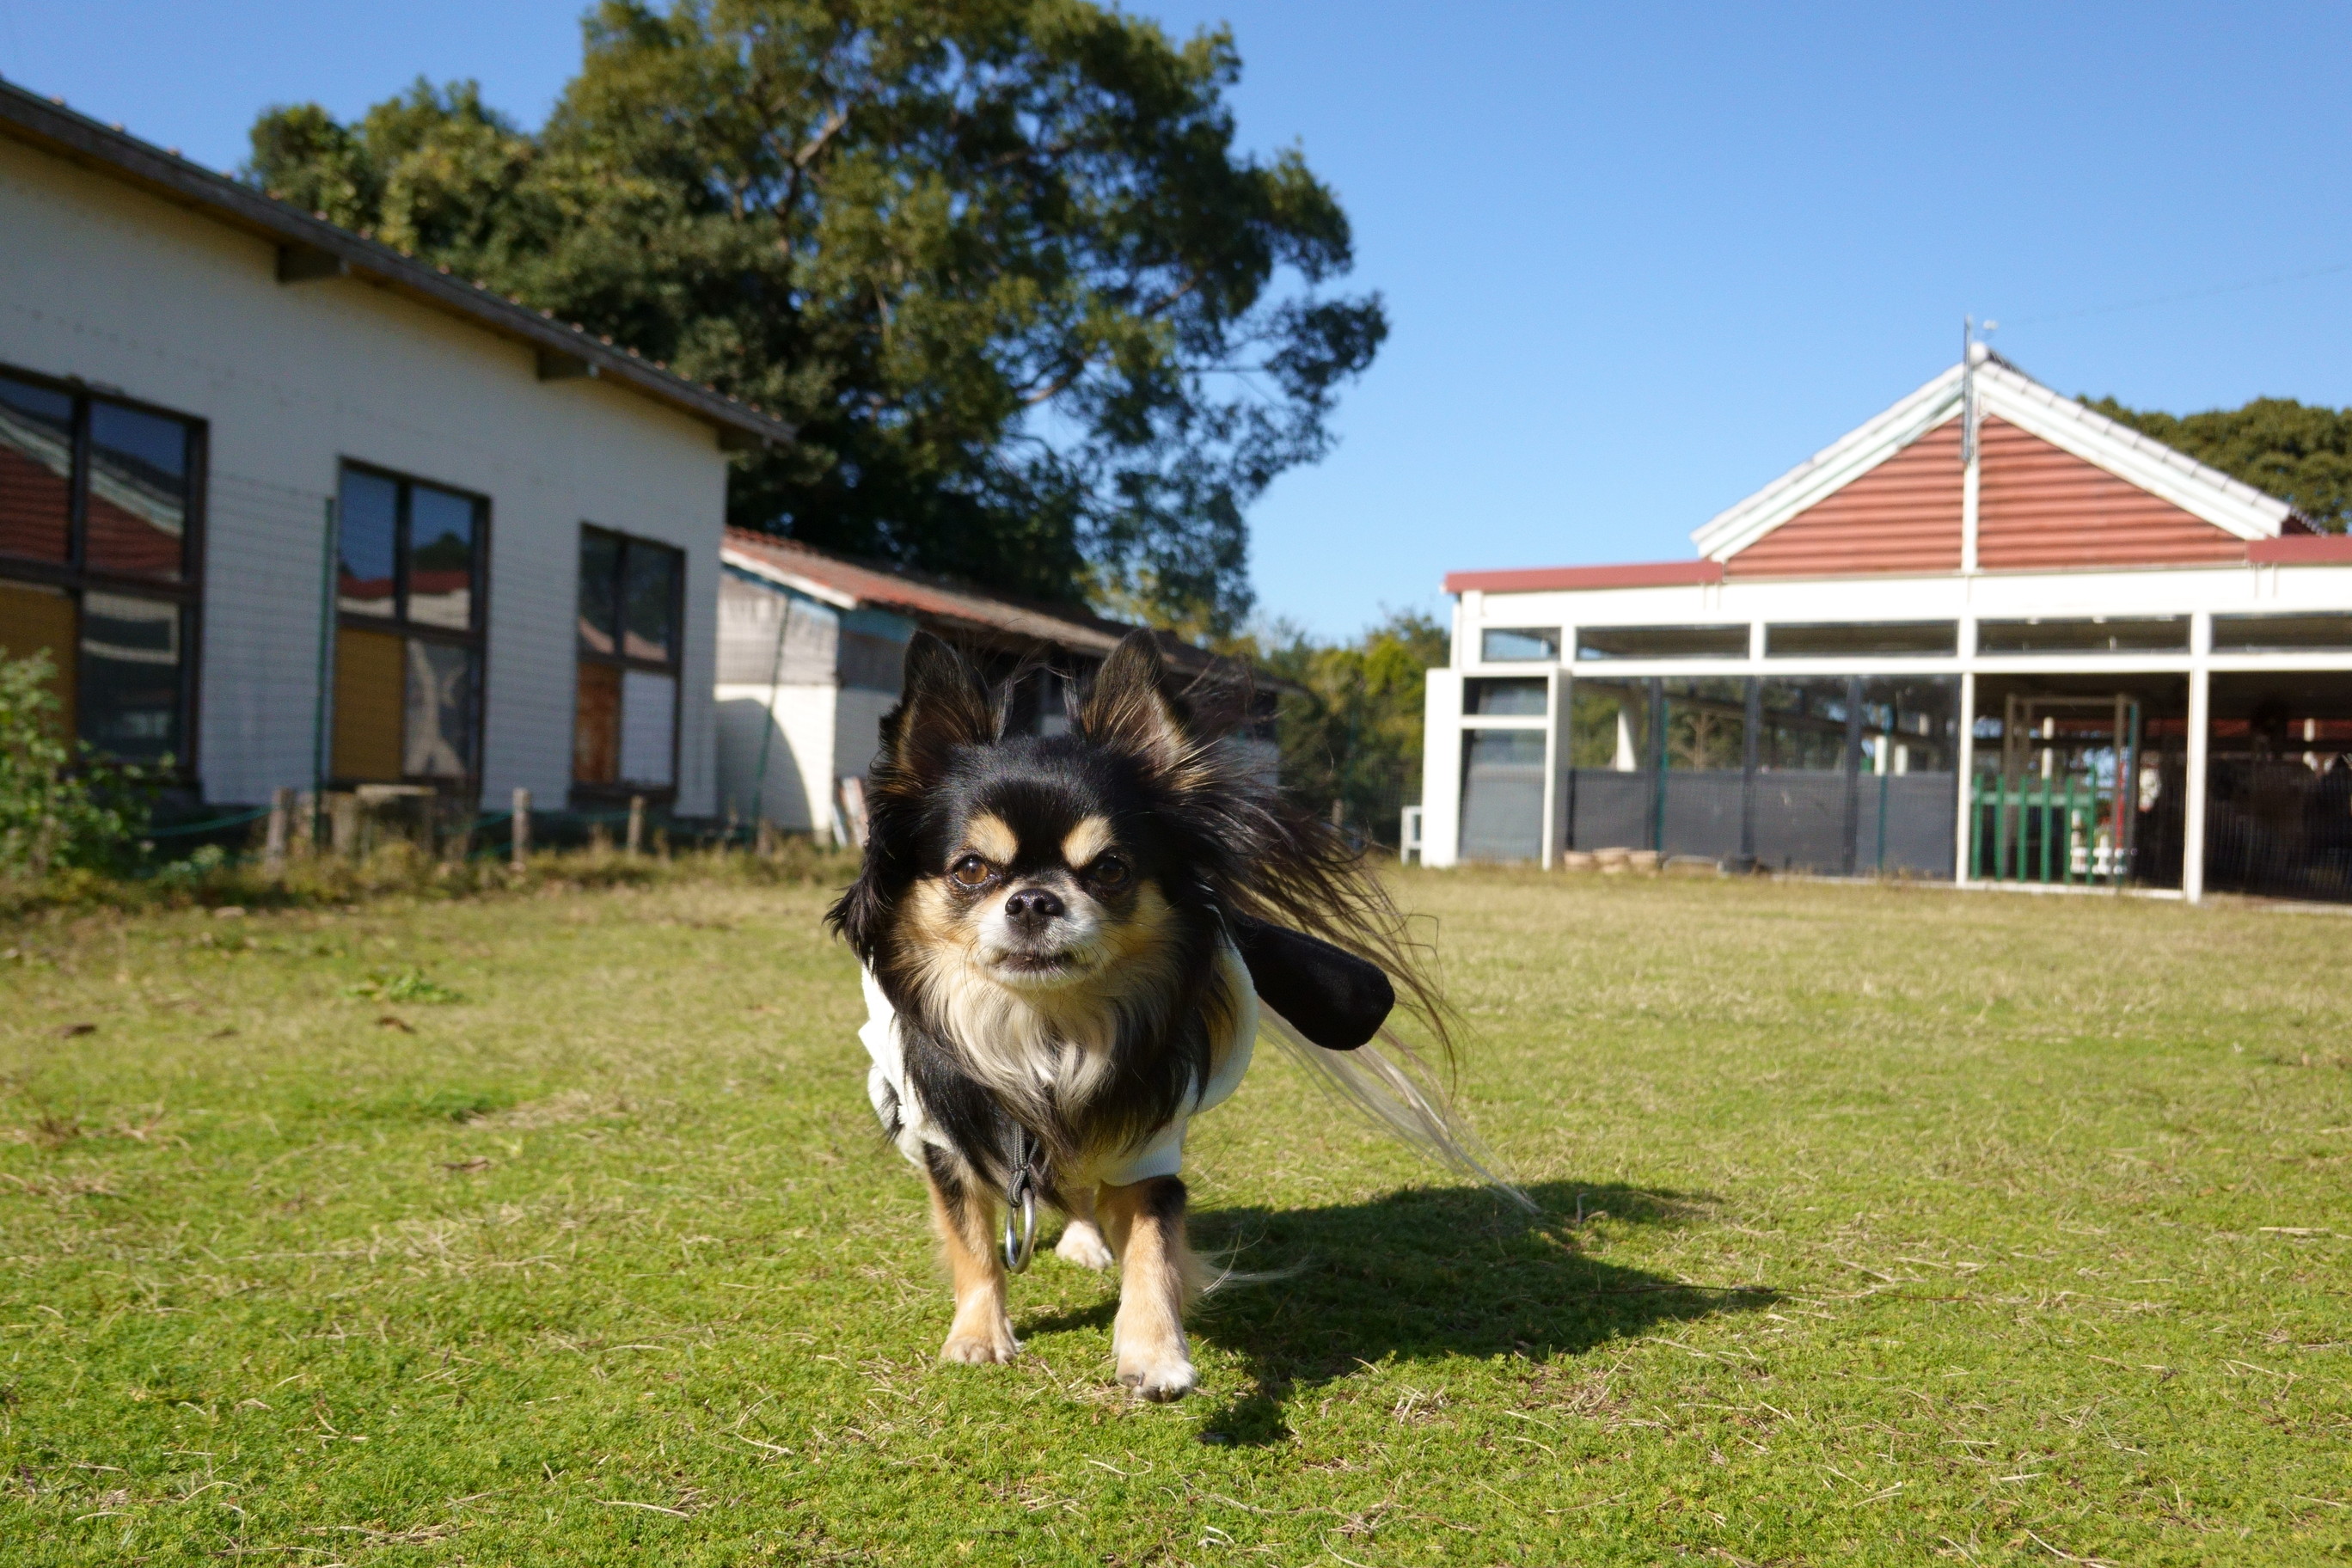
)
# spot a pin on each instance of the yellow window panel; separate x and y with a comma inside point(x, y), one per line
point(370, 693)
point(34, 620)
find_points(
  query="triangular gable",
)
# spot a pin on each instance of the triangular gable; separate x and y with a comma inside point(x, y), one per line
point(2059, 485)
point(2041, 508)
point(1903, 515)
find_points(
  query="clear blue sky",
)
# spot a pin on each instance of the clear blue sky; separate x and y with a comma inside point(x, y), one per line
point(1639, 260)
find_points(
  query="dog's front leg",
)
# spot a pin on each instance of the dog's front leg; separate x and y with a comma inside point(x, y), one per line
point(963, 1218)
point(1145, 1224)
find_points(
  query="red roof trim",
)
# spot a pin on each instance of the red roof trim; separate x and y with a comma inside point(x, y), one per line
point(2300, 550)
point(1633, 575)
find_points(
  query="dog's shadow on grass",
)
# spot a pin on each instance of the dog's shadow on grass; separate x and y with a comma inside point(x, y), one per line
point(1420, 1274)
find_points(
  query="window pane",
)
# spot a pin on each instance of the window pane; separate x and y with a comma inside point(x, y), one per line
point(365, 526)
point(368, 700)
point(600, 567)
point(1833, 639)
point(648, 702)
point(35, 471)
point(652, 587)
point(1609, 726)
point(1804, 725)
point(1707, 724)
point(440, 730)
point(1908, 725)
point(440, 558)
point(596, 728)
point(1522, 698)
point(1662, 642)
point(2099, 634)
point(1502, 795)
point(2281, 633)
point(138, 492)
point(130, 686)
point(1510, 645)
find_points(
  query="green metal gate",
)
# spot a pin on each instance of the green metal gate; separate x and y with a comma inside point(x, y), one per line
point(2044, 817)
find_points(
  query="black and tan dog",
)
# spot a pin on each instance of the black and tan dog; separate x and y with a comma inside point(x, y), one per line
point(1070, 945)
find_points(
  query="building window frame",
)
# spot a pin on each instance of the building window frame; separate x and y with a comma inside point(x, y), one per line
point(596, 791)
point(472, 639)
point(74, 576)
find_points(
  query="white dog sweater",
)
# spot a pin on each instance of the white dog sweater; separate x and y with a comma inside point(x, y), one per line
point(1159, 1154)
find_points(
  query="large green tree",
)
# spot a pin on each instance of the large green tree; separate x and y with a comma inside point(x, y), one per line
point(1351, 731)
point(1039, 322)
point(2301, 454)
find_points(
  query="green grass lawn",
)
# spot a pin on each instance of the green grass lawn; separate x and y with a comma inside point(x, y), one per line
point(556, 1229)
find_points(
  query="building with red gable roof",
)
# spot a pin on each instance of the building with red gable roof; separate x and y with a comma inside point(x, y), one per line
point(1990, 635)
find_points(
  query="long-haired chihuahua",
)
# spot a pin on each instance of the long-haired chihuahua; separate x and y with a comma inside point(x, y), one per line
point(1070, 943)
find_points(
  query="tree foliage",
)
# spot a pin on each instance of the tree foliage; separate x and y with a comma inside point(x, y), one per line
point(1038, 322)
point(2301, 454)
point(1353, 733)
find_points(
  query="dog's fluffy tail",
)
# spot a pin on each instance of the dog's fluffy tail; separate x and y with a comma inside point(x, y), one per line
point(1387, 1081)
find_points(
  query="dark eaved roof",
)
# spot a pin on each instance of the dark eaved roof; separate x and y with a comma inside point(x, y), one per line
point(939, 602)
point(312, 248)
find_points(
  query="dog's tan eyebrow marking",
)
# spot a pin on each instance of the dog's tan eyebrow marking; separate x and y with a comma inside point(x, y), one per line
point(1089, 838)
point(988, 836)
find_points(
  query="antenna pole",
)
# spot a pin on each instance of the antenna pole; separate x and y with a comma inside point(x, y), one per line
point(1968, 445)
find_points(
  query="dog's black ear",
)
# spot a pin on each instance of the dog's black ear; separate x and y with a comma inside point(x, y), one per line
point(945, 704)
point(1134, 708)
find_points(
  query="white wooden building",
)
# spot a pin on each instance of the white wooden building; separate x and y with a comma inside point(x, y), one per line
point(294, 509)
point(811, 649)
point(1990, 635)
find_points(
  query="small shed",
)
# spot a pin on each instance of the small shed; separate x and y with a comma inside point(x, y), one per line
point(811, 647)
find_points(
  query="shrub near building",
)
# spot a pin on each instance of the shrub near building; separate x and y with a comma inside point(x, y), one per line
point(59, 806)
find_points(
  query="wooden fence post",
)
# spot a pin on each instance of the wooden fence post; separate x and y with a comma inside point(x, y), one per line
point(343, 809)
point(281, 811)
point(521, 826)
point(636, 825)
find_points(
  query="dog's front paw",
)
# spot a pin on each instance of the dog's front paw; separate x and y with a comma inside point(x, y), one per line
point(1167, 1378)
point(1082, 1244)
point(980, 1346)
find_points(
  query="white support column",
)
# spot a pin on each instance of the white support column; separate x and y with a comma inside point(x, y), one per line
point(1555, 707)
point(2200, 731)
point(1441, 769)
point(1966, 778)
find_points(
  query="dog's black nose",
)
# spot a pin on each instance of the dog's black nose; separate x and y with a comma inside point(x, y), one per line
point(1031, 907)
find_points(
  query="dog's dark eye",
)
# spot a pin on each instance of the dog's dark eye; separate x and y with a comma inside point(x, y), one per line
point(1110, 872)
point(971, 871)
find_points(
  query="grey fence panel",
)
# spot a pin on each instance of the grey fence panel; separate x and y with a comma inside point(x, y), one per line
point(1502, 795)
point(1920, 812)
point(1609, 810)
point(1801, 820)
point(1702, 816)
point(2278, 829)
